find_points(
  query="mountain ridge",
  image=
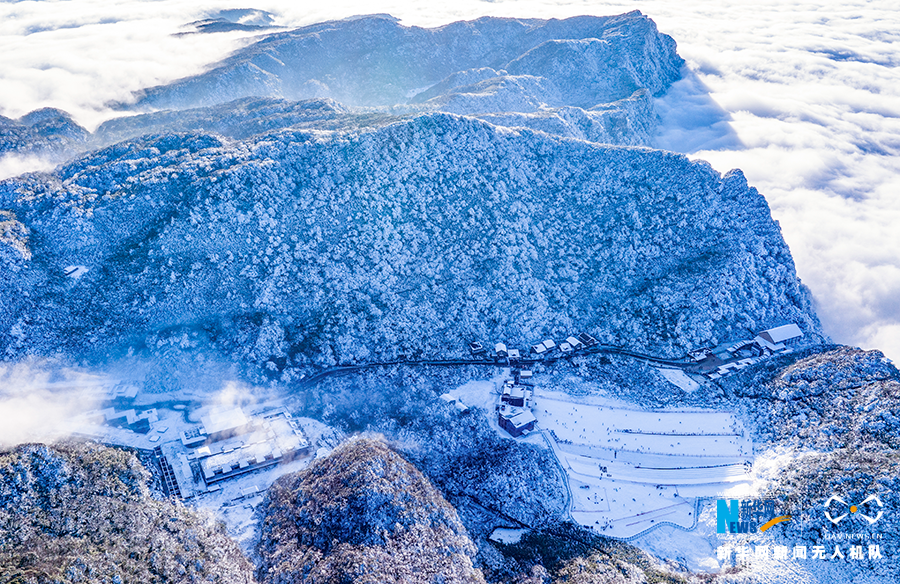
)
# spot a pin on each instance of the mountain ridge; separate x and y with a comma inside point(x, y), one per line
point(368, 71)
point(497, 215)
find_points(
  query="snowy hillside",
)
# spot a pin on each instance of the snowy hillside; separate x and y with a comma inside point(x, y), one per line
point(590, 78)
point(413, 239)
point(586, 77)
point(362, 514)
point(371, 61)
point(398, 199)
point(85, 513)
point(45, 131)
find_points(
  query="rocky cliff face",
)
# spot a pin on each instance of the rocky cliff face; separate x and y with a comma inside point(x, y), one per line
point(362, 514)
point(81, 513)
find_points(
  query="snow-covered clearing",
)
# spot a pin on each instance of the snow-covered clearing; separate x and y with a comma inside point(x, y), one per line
point(631, 469)
point(680, 379)
point(485, 394)
point(507, 535)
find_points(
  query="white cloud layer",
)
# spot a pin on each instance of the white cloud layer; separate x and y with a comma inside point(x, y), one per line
point(40, 402)
point(811, 91)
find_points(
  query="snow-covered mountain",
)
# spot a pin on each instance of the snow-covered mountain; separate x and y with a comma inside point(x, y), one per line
point(85, 513)
point(411, 238)
point(356, 192)
point(362, 514)
point(587, 77)
point(372, 61)
point(46, 131)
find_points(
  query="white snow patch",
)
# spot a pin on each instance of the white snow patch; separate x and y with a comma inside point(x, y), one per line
point(485, 395)
point(507, 535)
point(75, 271)
point(680, 379)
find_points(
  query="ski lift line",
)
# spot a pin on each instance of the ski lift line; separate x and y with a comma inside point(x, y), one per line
point(695, 434)
point(659, 524)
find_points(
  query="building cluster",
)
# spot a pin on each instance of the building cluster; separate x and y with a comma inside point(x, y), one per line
point(728, 357)
point(225, 445)
point(538, 351)
point(516, 400)
point(120, 412)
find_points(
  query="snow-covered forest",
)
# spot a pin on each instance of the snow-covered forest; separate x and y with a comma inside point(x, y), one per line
point(411, 239)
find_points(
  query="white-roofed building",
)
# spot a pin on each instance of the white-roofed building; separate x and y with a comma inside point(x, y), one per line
point(781, 334)
point(574, 343)
point(517, 421)
point(517, 396)
point(220, 424)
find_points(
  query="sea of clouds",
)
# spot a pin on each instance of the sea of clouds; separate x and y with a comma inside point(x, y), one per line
point(803, 96)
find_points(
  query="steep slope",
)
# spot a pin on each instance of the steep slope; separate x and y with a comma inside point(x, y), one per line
point(830, 399)
point(82, 513)
point(413, 239)
point(373, 60)
point(19, 275)
point(361, 515)
point(586, 77)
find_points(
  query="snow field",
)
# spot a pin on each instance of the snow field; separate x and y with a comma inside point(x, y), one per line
point(629, 470)
point(613, 428)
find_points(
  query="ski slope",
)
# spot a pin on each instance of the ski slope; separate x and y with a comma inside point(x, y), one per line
point(629, 469)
